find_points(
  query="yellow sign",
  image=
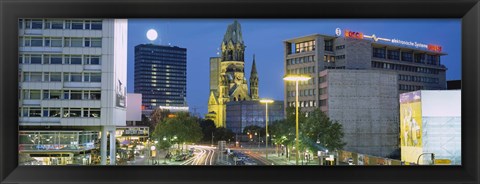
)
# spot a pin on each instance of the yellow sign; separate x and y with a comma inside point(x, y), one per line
point(443, 162)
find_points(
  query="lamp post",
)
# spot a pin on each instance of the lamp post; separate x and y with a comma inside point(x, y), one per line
point(296, 78)
point(266, 102)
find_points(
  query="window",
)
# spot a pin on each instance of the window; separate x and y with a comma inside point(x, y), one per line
point(53, 42)
point(379, 52)
point(20, 23)
point(55, 94)
point(432, 59)
point(93, 42)
point(73, 59)
point(92, 60)
point(32, 77)
point(72, 112)
point(34, 23)
point(329, 45)
point(53, 24)
point(407, 56)
point(56, 59)
point(33, 41)
point(55, 77)
point(77, 24)
point(96, 77)
point(93, 24)
point(76, 77)
point(35, 112)
point(31, 94)
point(419, 58)
point(340, 57)
point(393, 54)
point(35, 59)
point(91, 112)
point(305, 46)
point(54, 112)
point(340, 47)
point(75, 95)
point(323, 102)
point(73, 42)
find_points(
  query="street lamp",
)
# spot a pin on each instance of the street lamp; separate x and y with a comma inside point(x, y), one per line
point(266, 102)
point(296, 78)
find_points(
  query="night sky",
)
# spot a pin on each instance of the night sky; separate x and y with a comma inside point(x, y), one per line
point(263, 37)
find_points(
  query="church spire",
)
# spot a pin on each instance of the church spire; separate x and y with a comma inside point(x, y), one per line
point(254, 81)
point(254, 68)
point(233, 47)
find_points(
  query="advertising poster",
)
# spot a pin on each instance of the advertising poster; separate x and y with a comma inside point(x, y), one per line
point(410, 125)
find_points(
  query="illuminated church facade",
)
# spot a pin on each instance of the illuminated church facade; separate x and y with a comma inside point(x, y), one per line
point(227, 76)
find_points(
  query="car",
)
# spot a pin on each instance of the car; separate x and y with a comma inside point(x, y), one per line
point(350, 161)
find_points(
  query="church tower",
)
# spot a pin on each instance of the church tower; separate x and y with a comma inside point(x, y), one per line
point(254, 81)
point(227, 77)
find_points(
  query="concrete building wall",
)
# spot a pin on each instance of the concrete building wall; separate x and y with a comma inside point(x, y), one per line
point(366, 104)
point(134, 107)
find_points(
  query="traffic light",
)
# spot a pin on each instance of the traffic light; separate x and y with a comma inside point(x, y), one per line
point(433, 157)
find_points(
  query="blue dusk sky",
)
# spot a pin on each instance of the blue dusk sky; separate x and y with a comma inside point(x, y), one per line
point(264, 37)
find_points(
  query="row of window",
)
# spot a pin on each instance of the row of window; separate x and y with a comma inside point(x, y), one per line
point(340, 47)
point(305, 46)
point(148, 84)
point(57, 77)
point(305, 92)
point(309, 103)
point(376, 64)
point(59, 24)
point(31, 94)
point(159, 50)
point(333, 67)
point(328, 58)
point(147, 65)
point(31, 41)
point(300, 83)
point(59, 59)
point(409, 87)
point(153, 56)
point(159, 74)
point(418, 79)
point(300, 60)
point(309, 69)
point(164, 61)
point(56, 112)
point(407, 56)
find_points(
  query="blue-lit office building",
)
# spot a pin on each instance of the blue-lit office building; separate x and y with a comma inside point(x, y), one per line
point(241, 114)
point(161, 76)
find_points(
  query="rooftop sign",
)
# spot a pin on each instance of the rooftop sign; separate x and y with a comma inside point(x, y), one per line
point(360, 35)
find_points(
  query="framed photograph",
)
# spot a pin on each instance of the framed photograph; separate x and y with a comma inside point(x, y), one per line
point(239, 91)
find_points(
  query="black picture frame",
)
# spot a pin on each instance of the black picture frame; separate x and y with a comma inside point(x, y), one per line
point(466, 10)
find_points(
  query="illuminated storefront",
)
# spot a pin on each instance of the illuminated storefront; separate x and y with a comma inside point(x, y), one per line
point(57, 147)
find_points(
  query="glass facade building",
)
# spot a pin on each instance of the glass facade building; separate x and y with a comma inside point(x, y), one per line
point(241, 114)
point(160, 75)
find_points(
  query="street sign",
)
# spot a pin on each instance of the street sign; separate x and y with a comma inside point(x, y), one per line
point(443, 162)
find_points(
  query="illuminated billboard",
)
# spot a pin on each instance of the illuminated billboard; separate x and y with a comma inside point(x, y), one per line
point(430, 123)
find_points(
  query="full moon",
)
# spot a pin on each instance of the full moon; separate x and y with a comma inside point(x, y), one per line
point(152, 34)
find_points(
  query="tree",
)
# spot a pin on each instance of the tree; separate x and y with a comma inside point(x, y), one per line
point(319, 127)
point(208, 128)
point(157, 116)
point(222, 133)
point(180, 129)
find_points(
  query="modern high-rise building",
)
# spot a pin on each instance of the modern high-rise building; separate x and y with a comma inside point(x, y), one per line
point(161, 77)
point(72, 88)
point(356, 80)
point(227, 76)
